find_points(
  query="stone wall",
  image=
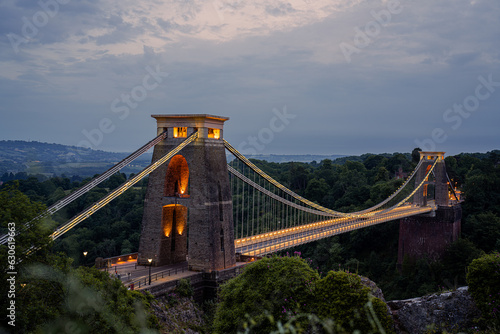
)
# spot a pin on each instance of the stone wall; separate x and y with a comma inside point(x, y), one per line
point(205, 285)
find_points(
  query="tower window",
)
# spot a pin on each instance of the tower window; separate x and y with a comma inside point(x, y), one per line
point(213, 133)
point(180, 132)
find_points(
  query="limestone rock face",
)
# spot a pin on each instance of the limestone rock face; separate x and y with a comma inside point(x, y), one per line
point(448, 311)
point(178, 314)
point(375, 290)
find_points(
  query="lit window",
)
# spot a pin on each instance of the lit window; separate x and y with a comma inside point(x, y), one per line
point(180, 132)
point(213, 133)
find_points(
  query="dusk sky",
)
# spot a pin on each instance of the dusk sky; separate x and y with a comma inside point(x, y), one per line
point(296, 76)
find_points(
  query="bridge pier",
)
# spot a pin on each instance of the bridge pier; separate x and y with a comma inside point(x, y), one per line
point(428, 235)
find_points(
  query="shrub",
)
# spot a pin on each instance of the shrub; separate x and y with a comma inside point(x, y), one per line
point(184, 288)
point(483, 278)
point(280, 292)
point(276, 288)
point(342, 297)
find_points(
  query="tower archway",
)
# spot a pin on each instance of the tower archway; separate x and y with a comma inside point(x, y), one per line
point(174, 229)
point(177, 177)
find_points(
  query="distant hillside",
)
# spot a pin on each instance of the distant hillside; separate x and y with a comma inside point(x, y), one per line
point(35, 157)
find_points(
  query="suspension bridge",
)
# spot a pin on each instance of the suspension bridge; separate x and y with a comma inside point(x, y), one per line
point(201, 208)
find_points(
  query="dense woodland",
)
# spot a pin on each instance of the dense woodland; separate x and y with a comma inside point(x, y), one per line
point(346, 184)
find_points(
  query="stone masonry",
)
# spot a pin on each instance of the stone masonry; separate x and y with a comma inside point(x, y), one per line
point(188, 205)
point(428, 235)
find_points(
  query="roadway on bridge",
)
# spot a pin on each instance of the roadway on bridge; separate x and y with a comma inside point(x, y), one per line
point(130, 270)
point(175, 271)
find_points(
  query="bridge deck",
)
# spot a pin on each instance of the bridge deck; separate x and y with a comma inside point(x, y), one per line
point(274, 241)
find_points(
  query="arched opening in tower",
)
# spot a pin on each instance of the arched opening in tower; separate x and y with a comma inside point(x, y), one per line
point(174, 222)
point(177, 177)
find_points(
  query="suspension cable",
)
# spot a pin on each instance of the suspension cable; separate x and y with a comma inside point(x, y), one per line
point(120, 190)
point(88, 186)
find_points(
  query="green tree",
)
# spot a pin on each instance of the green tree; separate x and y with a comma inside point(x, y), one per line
point(342, 297)
point(279, 286)
point(382, 175)
point(126, 247)
point(51, 296)
point(57, 297)
point(316, 190)
point(415, 154)
point(456, 259)
point(16, 211)
point(484, 230)
point(483, 278)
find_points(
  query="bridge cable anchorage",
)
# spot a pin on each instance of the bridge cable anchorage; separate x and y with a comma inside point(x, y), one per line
point(91, 184)
point(118, 191)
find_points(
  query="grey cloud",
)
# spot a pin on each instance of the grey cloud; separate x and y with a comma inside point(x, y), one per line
point(282, 9)
point(462, 58)
point(170, 26)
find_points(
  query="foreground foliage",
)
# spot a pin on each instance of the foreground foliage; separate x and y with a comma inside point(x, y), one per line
point(51, 296)
point(281, 286)
point(281, 290)
point(342, 297)
point(484, 286)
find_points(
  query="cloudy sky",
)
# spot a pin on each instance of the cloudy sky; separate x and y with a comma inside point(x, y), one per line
point(294, 76)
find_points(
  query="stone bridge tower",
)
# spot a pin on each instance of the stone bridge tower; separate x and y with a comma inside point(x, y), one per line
point(188, 204)
point(428, 235)
point(438, 180)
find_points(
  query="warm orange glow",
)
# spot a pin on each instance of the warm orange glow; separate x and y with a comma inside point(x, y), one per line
point(180, 132)
point(180, 228)
point(213, 133)
point(180, 219)
point(177, 177)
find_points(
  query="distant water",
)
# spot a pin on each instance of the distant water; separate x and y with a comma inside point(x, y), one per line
point(288, 158)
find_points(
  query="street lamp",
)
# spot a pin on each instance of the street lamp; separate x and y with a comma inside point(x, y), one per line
point(150, 260)
point(85, 257)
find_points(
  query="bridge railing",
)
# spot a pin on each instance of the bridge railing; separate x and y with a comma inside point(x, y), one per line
point(137, 283)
